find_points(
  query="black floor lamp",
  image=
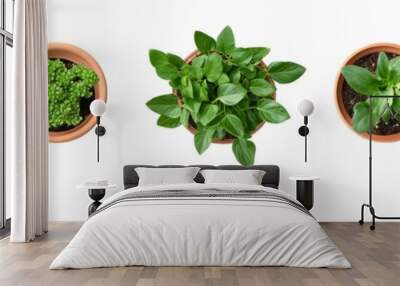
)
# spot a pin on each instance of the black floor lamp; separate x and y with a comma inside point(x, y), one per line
point(370, 204)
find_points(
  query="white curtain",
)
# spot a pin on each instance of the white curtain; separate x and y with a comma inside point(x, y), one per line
point(27, 160)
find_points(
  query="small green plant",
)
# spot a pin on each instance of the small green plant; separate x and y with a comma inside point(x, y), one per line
point(224, 92)
point(385, 81)
point(67, 86)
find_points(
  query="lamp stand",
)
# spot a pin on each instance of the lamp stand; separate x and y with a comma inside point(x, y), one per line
point(304, 131)
point(370, 205)
point(100, 131)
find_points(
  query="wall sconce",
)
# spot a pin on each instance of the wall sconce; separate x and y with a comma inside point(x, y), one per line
point(305, 107)
point(97, 108)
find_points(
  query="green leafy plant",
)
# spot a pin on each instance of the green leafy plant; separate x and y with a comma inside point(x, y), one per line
point(224, 92)
point(67, 86)
point(385, 81)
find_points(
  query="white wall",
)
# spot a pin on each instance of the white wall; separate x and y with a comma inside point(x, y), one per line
point(317, 34)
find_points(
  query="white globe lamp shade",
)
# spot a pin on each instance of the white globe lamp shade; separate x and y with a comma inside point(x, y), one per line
point(305, 107)
point(98, 107)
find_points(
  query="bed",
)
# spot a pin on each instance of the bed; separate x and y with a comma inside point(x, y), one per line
point(198, 224)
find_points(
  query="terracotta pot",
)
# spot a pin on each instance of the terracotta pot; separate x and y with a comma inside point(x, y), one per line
point(78, 56)
point(192, 129)
point(370, 49)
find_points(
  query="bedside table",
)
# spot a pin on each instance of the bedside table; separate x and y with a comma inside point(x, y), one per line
point(305, 190)
point(96, 193)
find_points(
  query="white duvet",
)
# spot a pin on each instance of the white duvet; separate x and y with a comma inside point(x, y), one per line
point(193, 231)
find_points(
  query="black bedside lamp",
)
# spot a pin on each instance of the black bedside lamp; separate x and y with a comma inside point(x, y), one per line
point(97, 108)
point(306, 108)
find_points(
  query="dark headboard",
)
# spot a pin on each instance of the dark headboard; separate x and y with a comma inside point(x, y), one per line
point(271, 177)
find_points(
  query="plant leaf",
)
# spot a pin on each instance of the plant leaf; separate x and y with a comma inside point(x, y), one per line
point(386, 116)
point(387, 91)
point(249, 71)
point(217, 121)
point(223, 79)
point(226, 40)
point(168, 122)
point(200, 92)
point(360, 120)
point(167, 71)
point(258, 54)
point(157, 58)
point(261, 73)
point(231, 93)
point(199, 61)
point(361, 80)
point(261, 87)
point(184, 118)
point(271, 111)
point(236, 110)
point(285, 72)
point(202, 139)
point(207, 113)
point(175, 83)
point(193, 106)
point(175, 60)
point(233, 125)
point(396, 104)
point(252, 120)
point(195, 72)
point(213, 68)
point(204, 91)
point(244, 151)
point(382, 68)
point(235, 75)
point(379, 106)
point(165, 105)
point(244, 103)
point(186, 87)
point(204, 42)
point(394, 67)
point(241, 56)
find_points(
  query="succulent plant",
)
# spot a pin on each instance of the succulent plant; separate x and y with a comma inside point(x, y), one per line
point(67, 86)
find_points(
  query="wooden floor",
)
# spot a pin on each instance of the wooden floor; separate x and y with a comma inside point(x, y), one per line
point(375, 257)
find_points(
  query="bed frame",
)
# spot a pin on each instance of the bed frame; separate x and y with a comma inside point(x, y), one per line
point(270, 179)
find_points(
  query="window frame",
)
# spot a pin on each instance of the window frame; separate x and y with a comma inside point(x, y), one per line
point(6, 39)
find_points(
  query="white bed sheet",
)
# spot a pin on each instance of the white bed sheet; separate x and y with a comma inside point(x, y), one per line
point(193, 231)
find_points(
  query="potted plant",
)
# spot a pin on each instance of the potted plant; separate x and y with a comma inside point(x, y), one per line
point(372, 71)
point(74, 81)
point(221, 92)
